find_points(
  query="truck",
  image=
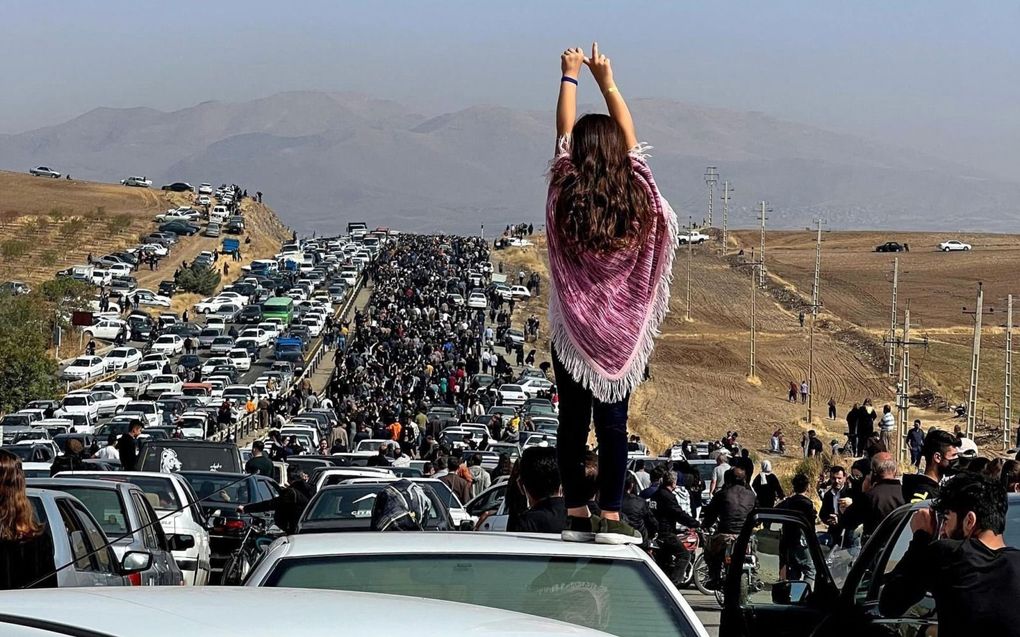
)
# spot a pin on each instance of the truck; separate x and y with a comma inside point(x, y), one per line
point(230, 245)
point(357, 226)
point(694, 237)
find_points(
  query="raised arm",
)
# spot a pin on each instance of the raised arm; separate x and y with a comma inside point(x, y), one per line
point(566, 107)
point(602, 71)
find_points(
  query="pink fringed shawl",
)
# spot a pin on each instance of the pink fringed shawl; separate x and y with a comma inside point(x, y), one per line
point(605, 309)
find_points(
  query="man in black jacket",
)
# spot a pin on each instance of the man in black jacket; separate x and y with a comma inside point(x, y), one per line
point(972, 574)
point(540, 481)
point(636, 511)
point(829, 513)
point(289, 505)
point(883, 495)
point(668, 513)
point(127, 447)
point(940, 451)
point(730, 508)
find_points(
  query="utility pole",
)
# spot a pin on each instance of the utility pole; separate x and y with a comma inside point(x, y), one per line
point(1007, 398)
point(761, 254)
point(711, 178)
point(892, 322)
point(903, 386)
point(690, 257)
point(975, 361)
point(727, 191)
point(751, 374)
point(814, 317)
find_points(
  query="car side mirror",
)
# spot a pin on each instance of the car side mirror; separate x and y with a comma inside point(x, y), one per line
point(181, 542)
point(135, 562)
point(467, 525)
point(791, 593)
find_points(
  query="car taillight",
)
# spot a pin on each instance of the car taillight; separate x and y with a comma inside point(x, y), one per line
point(135, 579)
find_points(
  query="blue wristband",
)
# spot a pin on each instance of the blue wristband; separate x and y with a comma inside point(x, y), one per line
point(567, 78)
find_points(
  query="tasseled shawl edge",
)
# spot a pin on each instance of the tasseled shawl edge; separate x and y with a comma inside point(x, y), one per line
point(605, 387)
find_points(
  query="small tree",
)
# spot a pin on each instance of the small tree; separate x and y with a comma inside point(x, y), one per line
point(198, 280)
point(8, 217)
point(49, 258)
point(13, 249)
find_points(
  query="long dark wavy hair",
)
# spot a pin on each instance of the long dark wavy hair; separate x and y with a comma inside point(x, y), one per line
point(17, 519)
point(601, 207)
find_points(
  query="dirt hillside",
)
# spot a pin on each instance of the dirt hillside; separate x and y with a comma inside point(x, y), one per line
point(51, 224)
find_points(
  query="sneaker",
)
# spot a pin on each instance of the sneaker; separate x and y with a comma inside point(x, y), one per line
point(616, 532)
point(580, 529)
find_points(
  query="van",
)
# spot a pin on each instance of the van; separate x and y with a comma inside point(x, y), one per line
point(218, 214)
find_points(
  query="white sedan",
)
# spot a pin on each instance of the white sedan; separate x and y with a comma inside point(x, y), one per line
point(137, 182)
point(954, 246)
point(532, 386)
point(241, 358)
point(109, 403)
point(84, 368)
point(512, 395)
point(163, 384)
point(519, 292)
point(122, 358)
point(260, 335)
point(213, 363)
point(169, 344)
point(477, 301)
point(150, 298)
point(213, 304)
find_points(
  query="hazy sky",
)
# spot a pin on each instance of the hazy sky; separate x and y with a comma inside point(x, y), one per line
point(939, 76)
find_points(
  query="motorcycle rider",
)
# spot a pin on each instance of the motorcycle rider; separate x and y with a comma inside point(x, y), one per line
point(730, 508)
point(668, 514)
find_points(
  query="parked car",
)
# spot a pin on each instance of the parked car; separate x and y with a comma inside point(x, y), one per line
point(348, 507)
point(78, 403)
point(84, 368)
point(890, 246)
point(177, 508)
point(694, 238)
point(180, 227)
point(120, 358)
point(109, 403)
point(138, 182)
point(150, 298)
point(843, 602)
point(477, 300)
point(512, 395)
point(79, 540)
point(44, 171)
point(204, 613)
point(212, 230)
point(954, 246)
point(531, 574)
point(179, 186)
point(128, 519)
point(190, 455)
point(168, 344)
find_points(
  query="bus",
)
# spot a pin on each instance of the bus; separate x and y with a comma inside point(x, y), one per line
point(279, 307)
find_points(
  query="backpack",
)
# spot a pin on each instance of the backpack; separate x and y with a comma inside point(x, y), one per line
point(400, 506)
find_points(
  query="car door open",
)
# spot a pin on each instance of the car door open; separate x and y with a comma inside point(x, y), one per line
point(780, 586)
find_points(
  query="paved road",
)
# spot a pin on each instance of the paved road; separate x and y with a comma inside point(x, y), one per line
point(705, 608)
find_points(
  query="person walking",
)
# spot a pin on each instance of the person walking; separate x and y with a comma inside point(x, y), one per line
point(803, 392)
point(766, 487)
point(26, 549)
point(832, 409)
point(851, 428)
point(606, 221)
point(887, 428)
point(915, 440)
point(791, 396)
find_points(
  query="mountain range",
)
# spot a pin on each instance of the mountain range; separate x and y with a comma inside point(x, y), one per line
point(323, 159)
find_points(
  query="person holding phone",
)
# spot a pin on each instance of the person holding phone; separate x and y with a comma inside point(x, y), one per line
point(959, 556)
point(611, 239)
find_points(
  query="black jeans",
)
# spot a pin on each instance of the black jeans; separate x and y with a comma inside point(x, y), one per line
point(577, 407)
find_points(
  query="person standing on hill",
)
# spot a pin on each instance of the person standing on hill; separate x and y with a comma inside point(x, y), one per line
point(803, 392)
point(887, 427)
point(851, 428)
point(865, 424)
point(608, 222)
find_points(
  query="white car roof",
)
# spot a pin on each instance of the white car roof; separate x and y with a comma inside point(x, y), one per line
point(173, 611)
point(477, 543)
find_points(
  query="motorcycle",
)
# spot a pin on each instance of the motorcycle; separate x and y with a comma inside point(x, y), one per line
point(750, 578)
point(241, 561)
point(692, 540)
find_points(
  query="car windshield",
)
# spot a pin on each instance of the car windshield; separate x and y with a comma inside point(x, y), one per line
point(105, 505)
point(226, 488)
point(75, 401)
point(620, 597)
point(159, 491)
point(81, 362)
point(348, 503)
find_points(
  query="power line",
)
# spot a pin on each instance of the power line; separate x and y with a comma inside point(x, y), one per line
point(711, 179)
point(752, 371)
point(975, 361)
point(814, 316)
point(762, 216)
point(726, 193)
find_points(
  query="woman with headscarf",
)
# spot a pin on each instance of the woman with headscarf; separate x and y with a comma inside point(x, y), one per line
point(767, 488)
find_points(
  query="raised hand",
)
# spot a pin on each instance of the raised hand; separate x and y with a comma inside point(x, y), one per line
point(571, 61)
point(601, 69)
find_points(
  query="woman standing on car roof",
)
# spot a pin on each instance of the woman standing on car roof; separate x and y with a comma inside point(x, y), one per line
point(26, 550)
point(611, 242)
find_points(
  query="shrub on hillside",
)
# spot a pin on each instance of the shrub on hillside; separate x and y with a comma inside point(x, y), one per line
point(198, 280)
point(73, 227)
point(118, 223)
point(49, 258)
point(13, 248)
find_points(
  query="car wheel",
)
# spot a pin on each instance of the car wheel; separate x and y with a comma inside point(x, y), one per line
point(967, 249)
point(945, 249)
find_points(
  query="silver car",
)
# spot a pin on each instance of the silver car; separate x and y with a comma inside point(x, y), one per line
point(78, 543)
point(125, 515)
